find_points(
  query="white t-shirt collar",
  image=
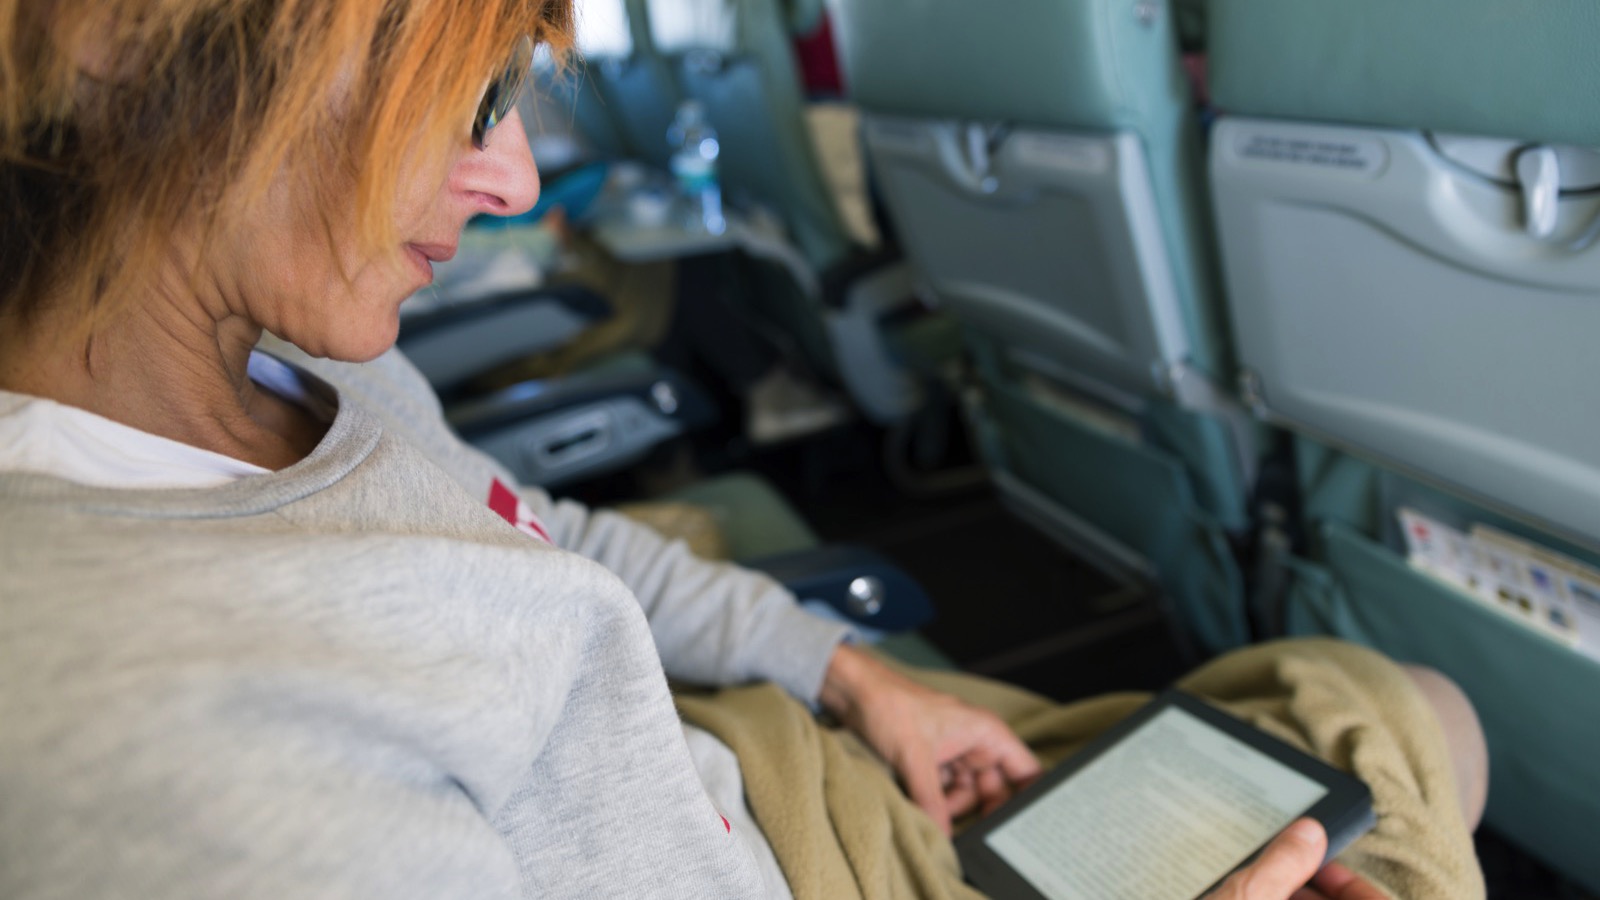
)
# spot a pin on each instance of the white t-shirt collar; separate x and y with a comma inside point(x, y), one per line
point(49, 438)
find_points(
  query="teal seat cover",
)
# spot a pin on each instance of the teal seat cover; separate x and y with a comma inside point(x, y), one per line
point(1074, 65)
point(1538, 700)
point(1142, 495)
point(1535, 698)
point(1525, 70)
point(1063, 63)
point(755, 519)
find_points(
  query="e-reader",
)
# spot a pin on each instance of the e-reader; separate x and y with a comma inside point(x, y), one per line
point(1164, 806)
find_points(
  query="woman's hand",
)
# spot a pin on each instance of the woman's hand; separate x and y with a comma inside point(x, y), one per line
point(1283, 869)
point(951, 757)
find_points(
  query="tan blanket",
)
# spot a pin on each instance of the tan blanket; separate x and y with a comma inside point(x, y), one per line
point(841, 828)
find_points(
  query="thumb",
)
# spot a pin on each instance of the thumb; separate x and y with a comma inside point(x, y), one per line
point(1283, 867)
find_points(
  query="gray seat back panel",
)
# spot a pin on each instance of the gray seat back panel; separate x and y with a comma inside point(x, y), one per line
point(1392, 302)
point(1062, 252)
point(1054, 66)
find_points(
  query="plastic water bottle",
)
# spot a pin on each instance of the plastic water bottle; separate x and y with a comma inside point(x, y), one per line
point(694, 165)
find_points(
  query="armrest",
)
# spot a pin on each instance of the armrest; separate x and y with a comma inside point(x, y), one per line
point(862, 294)
point(459, 341)
point(846, 277)
point(662, 389)
point(858, 583)
point(558, 430)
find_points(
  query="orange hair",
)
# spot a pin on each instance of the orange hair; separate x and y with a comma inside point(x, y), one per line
point(122, 119)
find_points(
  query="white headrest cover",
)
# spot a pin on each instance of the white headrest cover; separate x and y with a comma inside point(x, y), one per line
point(603, 29)
point(678, 26)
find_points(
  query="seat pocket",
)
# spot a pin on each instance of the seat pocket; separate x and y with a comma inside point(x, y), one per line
point(1539, 700)
point(1138, 495)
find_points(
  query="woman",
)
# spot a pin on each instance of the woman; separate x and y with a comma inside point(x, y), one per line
point(269, 629)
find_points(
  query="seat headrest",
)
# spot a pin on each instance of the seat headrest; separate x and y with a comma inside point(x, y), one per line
point(683, 26)
point(1487, 67)
point(603, 31)
point(1048, 63)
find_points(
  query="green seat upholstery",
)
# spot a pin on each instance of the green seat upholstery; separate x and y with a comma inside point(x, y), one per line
point(1538, 699)
point(756, 521)
point(1043, 169)
point(1519, 70)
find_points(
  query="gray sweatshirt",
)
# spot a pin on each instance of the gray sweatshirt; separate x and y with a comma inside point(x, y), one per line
point(354, 678)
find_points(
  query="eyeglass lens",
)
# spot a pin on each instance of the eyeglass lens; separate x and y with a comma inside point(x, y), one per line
point(503, 92)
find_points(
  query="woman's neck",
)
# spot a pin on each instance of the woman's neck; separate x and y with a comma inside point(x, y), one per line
point(162, 368)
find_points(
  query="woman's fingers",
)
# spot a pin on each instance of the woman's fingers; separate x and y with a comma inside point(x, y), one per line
point(920, 774)
point(1339, 883)
point(993, 789)
point(1283, 867)
point(961, 793)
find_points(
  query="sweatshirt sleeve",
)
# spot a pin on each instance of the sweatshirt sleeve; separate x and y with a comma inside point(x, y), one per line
point(713, 623)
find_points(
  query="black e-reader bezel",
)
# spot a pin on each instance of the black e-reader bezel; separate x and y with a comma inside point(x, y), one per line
point(1345, 811)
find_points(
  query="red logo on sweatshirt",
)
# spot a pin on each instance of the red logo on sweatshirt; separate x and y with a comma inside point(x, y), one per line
point(512, 508)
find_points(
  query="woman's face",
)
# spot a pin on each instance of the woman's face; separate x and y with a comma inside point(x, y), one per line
point(277, 272)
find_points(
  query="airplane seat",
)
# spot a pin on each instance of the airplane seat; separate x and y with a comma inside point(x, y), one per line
point(620, 93)
point(736, 57)
point(1407, 198)
point(1042, 169)
point(603, 42)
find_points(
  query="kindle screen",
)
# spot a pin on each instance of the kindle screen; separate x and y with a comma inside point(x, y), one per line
point(1184, 799)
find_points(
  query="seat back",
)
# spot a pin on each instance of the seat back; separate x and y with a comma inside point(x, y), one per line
point(1408, 201)
point(620, 93)
point(1424, 297)
point(736, 57)
point(1042, 169)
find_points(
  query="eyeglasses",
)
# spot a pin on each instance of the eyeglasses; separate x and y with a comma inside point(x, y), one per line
point(503, 92)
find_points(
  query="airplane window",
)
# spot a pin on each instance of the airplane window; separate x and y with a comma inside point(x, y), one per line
point(693, 25)
point(603, 29)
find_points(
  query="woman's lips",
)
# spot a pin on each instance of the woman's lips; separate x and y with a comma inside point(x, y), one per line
point(423, 256)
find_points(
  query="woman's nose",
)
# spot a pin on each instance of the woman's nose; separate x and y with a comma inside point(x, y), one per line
point(501, 177)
